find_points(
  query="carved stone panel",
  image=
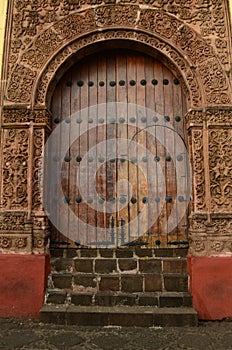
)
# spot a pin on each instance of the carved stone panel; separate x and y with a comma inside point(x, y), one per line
point(211, 236)
point(198, 170)
point(220, 161)
point(15, 169)
point(73, 21)
point(39, 141)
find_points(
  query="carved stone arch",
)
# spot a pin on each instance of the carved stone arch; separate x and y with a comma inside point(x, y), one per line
point(163, 29)
point(32, 71)
point(135, 40)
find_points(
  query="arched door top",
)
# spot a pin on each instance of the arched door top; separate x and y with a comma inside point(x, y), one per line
point(179, 43)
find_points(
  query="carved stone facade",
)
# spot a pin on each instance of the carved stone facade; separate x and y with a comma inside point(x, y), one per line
point(43, 39)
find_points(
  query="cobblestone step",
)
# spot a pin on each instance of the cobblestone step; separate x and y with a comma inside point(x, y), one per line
point(128, 252)
point(118, 316)
point(125, 287)
point(163, 299)
point(127, 283)
point(119, 265)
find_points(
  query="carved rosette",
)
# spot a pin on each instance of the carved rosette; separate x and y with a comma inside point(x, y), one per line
point(211, 236)
point(41, 233)
point(15, 244)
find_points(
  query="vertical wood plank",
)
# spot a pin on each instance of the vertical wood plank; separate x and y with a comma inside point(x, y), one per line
point(92, 93)
point(142, 154)
point(55, 157)
point(112, 147)
point(151, 147)
point(74, 154)
point(132, 153)
point(160, 164)
point(122, 163)
point(65, 144)
point(170, 150)
point(101, 136)
point(83, 206)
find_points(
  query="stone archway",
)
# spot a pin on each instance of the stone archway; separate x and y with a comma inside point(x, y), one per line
point(31, 73)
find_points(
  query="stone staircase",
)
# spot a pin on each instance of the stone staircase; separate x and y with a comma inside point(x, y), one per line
point(122, 287)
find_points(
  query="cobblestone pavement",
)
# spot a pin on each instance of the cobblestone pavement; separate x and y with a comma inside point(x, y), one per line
point(28, 335)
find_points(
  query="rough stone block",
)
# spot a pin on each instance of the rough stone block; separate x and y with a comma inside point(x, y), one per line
point(182, 252)
point(175, 266)
point(127, 264)
point(109, 283)
point(124, 253)
point(81, 299)
point(176, 283)
point(144, 252)
point(110, 299)
point(62, 264)
point(105, 265)
point(171, 301)
point(148, 300)
point(84, 265)
point(53, 314)
point(187, 300)
point(153, 283)
point(70, 253)
point(131, 319)
point(150, 266)
point(88, 253)
point(62, 281)
point(85, 280)
point(106, 253)
point(132, 283)
point(56, 297)
point(86, 317)
point(175, 318)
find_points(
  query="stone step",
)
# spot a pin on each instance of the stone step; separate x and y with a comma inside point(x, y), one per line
point(159, 299)
point(137, 282)
point(119, 265)
point(118, 316)
point(128, 252)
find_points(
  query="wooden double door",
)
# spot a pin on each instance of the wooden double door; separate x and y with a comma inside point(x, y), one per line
point(125, 173)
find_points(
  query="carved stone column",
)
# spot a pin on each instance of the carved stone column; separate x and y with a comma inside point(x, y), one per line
point(211, 147)
point(23, 224)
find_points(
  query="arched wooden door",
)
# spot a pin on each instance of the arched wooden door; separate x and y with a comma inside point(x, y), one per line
point(121, 191)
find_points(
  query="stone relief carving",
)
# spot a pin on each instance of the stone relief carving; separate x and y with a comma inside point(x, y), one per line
point(16, 116)
point(219, 116)
point(211, 235)
point(204, 245)
point(220, 160)
point(9, 243)
point(195, 117)
point(198, 170)
point(156, 21)
point(15, 168)
point(206, 16)
point(12, 221)
point(63, 56)
point(37, 168)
